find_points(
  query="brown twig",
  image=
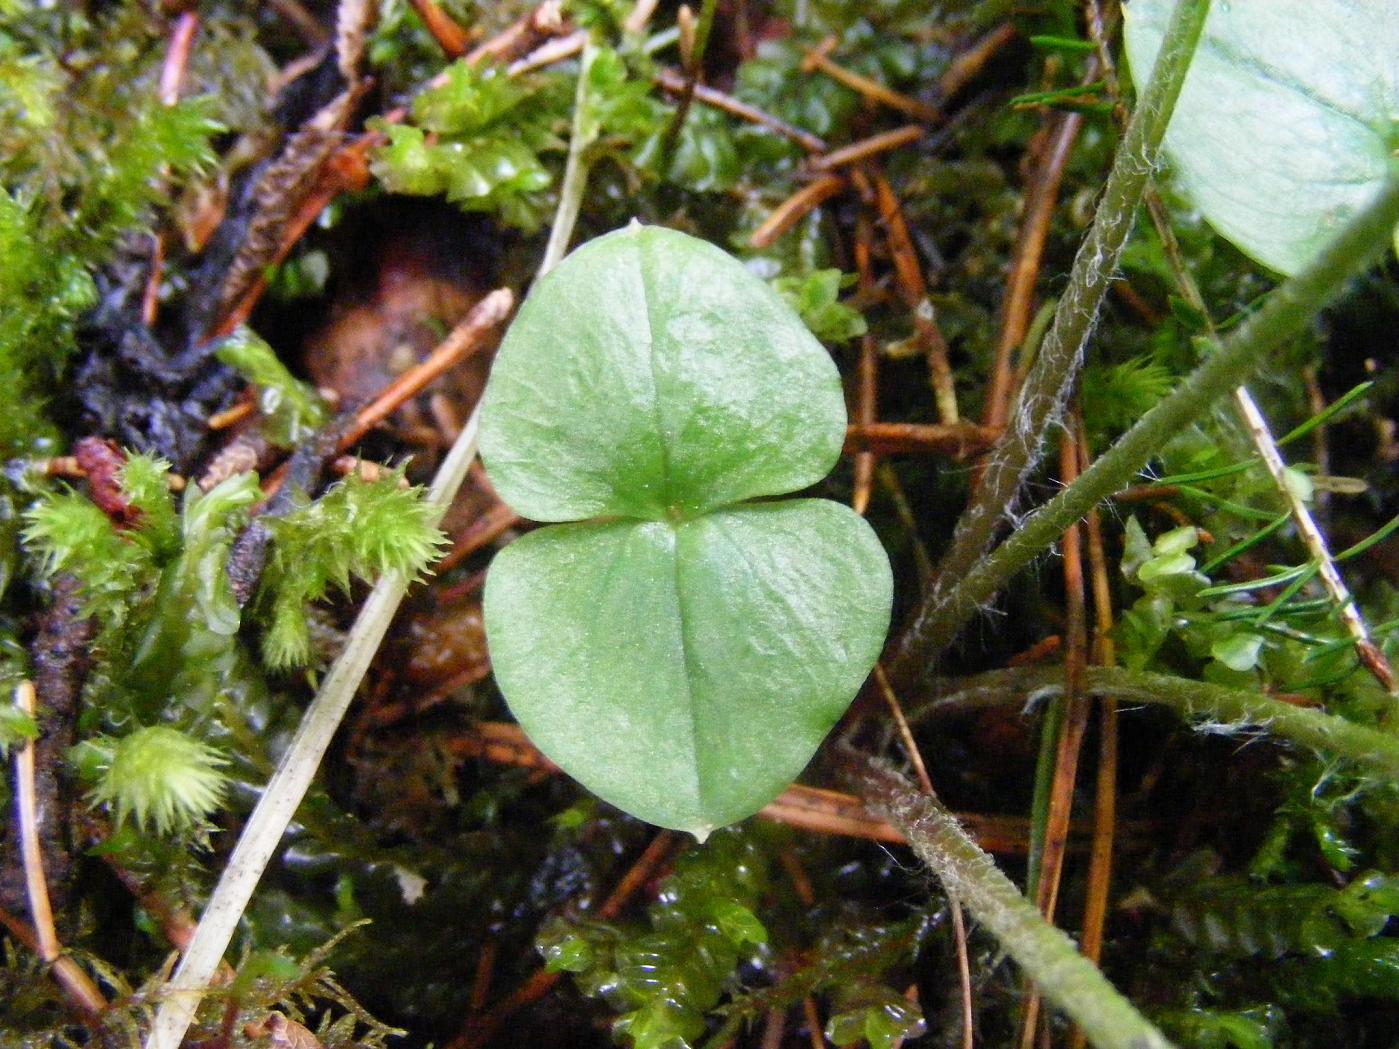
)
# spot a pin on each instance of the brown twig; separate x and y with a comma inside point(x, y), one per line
point(795, 208)
point(1040, 200)
point(961, 440)
point(80, 989)
point(818, 58)
point(809, 808)
point(484, 530)
point(903, 510)
point(468, 337)
point(964, 975)
point(673, 83)
point(913, 288)
point(968, 65)
point(523, 35)
point(232, 416)
point(867, 373)
point(1097, 895)
point(172, 70)
point(549, 53)
point(856, 152)
point(1071, 730)
point(150, 295)
point(816, 1035)
point(450, 37)
point(1076, 718)
point(344, 169)
point(915, 756)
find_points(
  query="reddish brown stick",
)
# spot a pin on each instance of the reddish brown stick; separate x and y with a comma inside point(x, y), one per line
point(958, 440)
point(1025, 265)
point(795, 208)
point(450, 37)
point(468, 337)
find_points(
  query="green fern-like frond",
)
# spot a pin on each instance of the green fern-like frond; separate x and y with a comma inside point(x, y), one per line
point(357, 530)
point(144, 479)
point(72, 536)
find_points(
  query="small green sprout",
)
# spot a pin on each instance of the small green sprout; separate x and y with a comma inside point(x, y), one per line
point(161, 778)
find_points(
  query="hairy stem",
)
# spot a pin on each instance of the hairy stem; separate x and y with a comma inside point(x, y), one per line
point(1018, 451)
point(1218, 707)
point(1284, 314)
point(1048, 956)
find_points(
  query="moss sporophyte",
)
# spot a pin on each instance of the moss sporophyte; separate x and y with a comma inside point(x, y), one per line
point(677, 647)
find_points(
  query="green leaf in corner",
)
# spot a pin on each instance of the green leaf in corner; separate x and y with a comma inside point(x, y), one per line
point(1286, 124)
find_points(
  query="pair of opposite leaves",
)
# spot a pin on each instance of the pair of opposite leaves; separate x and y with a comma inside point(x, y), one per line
point(678, 649)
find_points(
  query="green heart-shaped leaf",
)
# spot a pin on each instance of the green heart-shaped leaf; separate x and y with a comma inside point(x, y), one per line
point(686, 672)
point(1286, 125)
point(650, 375)
point(683, 653)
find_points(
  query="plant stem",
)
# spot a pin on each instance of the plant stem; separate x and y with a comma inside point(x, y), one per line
point(575, 173)
point(1220, 708)
point(1018, 451)
point(288, 785)
point(1237, 707)
point(1283, 315)
point(1048, 956)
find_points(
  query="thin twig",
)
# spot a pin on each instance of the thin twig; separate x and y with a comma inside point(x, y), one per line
point(808, 808)
point(472, 334)
point(1040, 201)
point(549, 53)
point(1097, 895)
point(795, 208)
point(305, 23)
point(450, 37)
point(819, 59)
point(484, 530)
point(693, 58)
point(816, 1035)
point(856, 152)
point(962, 440)
point(522, 35)
point(969, 64)
point(1047, 863)
point(915, 756)
point(913, 288)
point(673, 83)
point(867, 371)
point(81, 991)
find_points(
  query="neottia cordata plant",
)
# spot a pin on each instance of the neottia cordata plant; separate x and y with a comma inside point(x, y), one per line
point(678, 647)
